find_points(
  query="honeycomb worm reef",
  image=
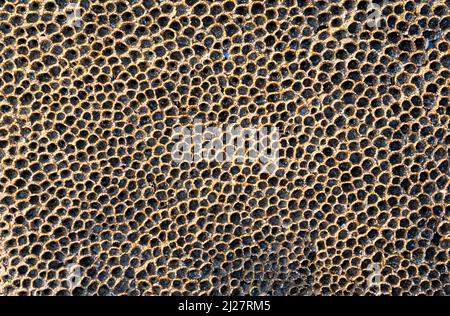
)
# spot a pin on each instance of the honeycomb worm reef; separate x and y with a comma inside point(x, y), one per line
point(93, 203)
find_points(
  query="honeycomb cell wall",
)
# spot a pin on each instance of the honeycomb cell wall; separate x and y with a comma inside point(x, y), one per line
point(93, 201)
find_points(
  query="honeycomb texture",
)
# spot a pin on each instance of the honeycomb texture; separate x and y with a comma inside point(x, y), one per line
point(87, 113)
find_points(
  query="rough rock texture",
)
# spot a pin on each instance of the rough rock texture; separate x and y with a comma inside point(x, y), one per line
point(91, 201)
